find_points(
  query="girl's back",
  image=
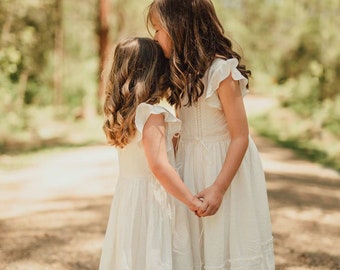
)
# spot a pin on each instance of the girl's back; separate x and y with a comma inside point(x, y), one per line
point(139, 233)
point(239, 235)
point(133, 153)
point(139, 230)
point(205, 120)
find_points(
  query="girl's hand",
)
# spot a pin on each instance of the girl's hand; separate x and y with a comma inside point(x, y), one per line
point(212, 199)
point(195, 204)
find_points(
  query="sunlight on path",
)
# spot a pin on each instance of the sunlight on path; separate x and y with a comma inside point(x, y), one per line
point(53, 214)
point(74, 173)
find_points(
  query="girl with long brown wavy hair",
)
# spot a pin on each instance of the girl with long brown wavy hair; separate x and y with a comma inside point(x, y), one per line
point(216, 157)
point(139, 230)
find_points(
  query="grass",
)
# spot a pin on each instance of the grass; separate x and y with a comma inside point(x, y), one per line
point(298, 135)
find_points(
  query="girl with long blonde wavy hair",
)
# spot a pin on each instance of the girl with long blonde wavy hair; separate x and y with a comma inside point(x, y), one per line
point(139, 229)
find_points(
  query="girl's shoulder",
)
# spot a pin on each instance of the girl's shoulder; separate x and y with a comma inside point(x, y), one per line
point(220, 69)
point(145, 110)
point(228, 64)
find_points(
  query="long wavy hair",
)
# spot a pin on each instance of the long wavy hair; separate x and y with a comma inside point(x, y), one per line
point(198, 38)
point(139, 73)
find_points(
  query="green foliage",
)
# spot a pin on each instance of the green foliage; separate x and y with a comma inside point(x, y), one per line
point(304, 135)
point(292, 48)
point(27, 34)
point(27, 63)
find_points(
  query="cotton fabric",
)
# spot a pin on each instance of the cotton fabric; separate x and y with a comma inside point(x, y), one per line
point(239, 235)
point(139, 230)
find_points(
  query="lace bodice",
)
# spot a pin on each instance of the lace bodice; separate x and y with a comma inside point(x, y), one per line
point(205, 119)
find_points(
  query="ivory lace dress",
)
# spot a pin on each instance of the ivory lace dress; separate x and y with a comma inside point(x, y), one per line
point(139, 230)
point(239, 235)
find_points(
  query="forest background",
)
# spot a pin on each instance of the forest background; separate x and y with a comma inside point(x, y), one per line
point(52, 53)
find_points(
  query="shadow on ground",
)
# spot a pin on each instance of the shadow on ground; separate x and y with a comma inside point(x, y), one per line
point(65, 238)
point(54, 216)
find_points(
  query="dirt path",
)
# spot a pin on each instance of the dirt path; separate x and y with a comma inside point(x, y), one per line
point(53, 215)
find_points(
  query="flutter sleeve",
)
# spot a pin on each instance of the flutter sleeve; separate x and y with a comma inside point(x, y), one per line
point(144, 110)
point(219, 71)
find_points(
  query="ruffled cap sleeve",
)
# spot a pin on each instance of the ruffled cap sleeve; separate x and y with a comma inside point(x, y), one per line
point(219, 71)
point(143, 112)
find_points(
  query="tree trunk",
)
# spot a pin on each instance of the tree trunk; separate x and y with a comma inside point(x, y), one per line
point(22, 86)
point(103, 34)
point(58, 54)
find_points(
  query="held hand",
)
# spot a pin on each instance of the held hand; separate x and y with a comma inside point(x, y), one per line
point(212, 198)
point(195, 204)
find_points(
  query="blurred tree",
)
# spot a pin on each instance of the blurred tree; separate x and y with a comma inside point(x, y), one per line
point(103, 37)
point(293, 42)
point(27, 34)
point(58, 53)
point(52, 52)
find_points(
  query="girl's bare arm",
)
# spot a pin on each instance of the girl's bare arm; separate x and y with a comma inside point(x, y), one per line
point(154, 143)
point(233, 107)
